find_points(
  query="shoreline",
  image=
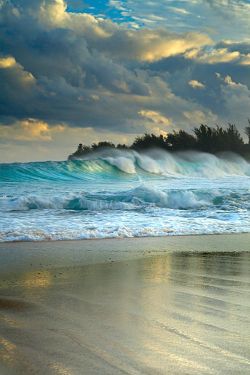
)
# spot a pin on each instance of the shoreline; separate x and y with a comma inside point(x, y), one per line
point(130, 238)
point(17, 256)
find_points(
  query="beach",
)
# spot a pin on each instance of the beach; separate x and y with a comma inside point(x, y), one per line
point(166, 305)
point(124, 187)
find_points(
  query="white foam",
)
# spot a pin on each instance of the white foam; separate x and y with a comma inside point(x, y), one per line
point(136, 198)
point(122, 163)
point(193, 164)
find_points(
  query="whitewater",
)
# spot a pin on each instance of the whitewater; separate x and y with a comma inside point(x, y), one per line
point(116, 194)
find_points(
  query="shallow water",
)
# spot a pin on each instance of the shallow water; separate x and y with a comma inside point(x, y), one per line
point(177, 314)
point(125, 194)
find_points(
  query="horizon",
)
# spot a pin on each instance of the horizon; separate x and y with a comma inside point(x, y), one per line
point(75, 71)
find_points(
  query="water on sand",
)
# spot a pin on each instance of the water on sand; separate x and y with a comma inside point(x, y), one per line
point(180, 313)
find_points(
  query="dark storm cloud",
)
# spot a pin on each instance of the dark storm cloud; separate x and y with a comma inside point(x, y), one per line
point(76, 69)
point(85, 72)
point(65, 73)
point(210, 67)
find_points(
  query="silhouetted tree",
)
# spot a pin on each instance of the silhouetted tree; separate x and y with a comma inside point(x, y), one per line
point(218, 139)
point(81, 150)
point(247, 131)
point(122, 147)
point(205, 139)
point(180, 140)
point(103, 144)
point(234, 139)
point(149, 140)
point(204, 135)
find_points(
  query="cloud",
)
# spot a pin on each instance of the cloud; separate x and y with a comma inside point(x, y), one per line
point(104, 35)
point(196, 84)
point(223, 52)
point(29, 130)
point(61, 72)
point(213, 99)
point(218, 56)
point(7, 62)
point(242, 48)
point(150, 45)
point(236, 99)
point(155, 117)
point(17, 87)
point(53, 12)
point(72, 59)
point(214, 56)
point(198, 117)
point(34, 140)
point(245, 60)
point(219, 18)
point(228, 80)
point(177, 10)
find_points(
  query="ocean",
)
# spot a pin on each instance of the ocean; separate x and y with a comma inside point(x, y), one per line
point(117, 194)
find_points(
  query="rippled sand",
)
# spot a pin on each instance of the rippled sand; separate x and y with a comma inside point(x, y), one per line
point(179, 313)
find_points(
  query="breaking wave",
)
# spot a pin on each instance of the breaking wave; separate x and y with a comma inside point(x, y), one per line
point(115, 164)
point(141, 197)
point(138, 198)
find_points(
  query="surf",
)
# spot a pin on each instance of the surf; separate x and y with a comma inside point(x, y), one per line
point(117, 194)
point(117, 164)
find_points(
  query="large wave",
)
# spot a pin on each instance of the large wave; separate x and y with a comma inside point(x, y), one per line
point(116, 163)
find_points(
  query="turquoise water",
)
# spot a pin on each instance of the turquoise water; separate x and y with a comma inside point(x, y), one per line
point(124, 194)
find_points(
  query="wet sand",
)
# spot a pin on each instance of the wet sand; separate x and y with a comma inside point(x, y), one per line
point(176, 305)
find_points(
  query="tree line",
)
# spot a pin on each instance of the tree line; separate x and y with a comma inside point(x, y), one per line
point(204, 138)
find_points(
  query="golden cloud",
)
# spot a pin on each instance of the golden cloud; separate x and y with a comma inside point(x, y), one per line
point(214, 56)
point(196, 84)
point(7, 62)
point(119, 41)
point(30, 130)
point(245, 60)
point(153, 45)
point(155, 117)
point(21, 75)
point(54, 13)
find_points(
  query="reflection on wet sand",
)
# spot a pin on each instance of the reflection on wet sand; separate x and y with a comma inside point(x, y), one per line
point(7, 353)
point(41, 279)
point(186, 313)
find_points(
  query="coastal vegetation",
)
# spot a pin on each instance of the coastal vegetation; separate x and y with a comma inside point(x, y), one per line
point(204, 138)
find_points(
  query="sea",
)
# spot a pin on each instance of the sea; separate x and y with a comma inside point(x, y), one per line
point(117, 194)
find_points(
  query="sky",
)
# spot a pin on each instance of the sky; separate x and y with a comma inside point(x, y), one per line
point(83, 71)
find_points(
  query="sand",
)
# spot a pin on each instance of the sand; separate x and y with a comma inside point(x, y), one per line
point(175, 305)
